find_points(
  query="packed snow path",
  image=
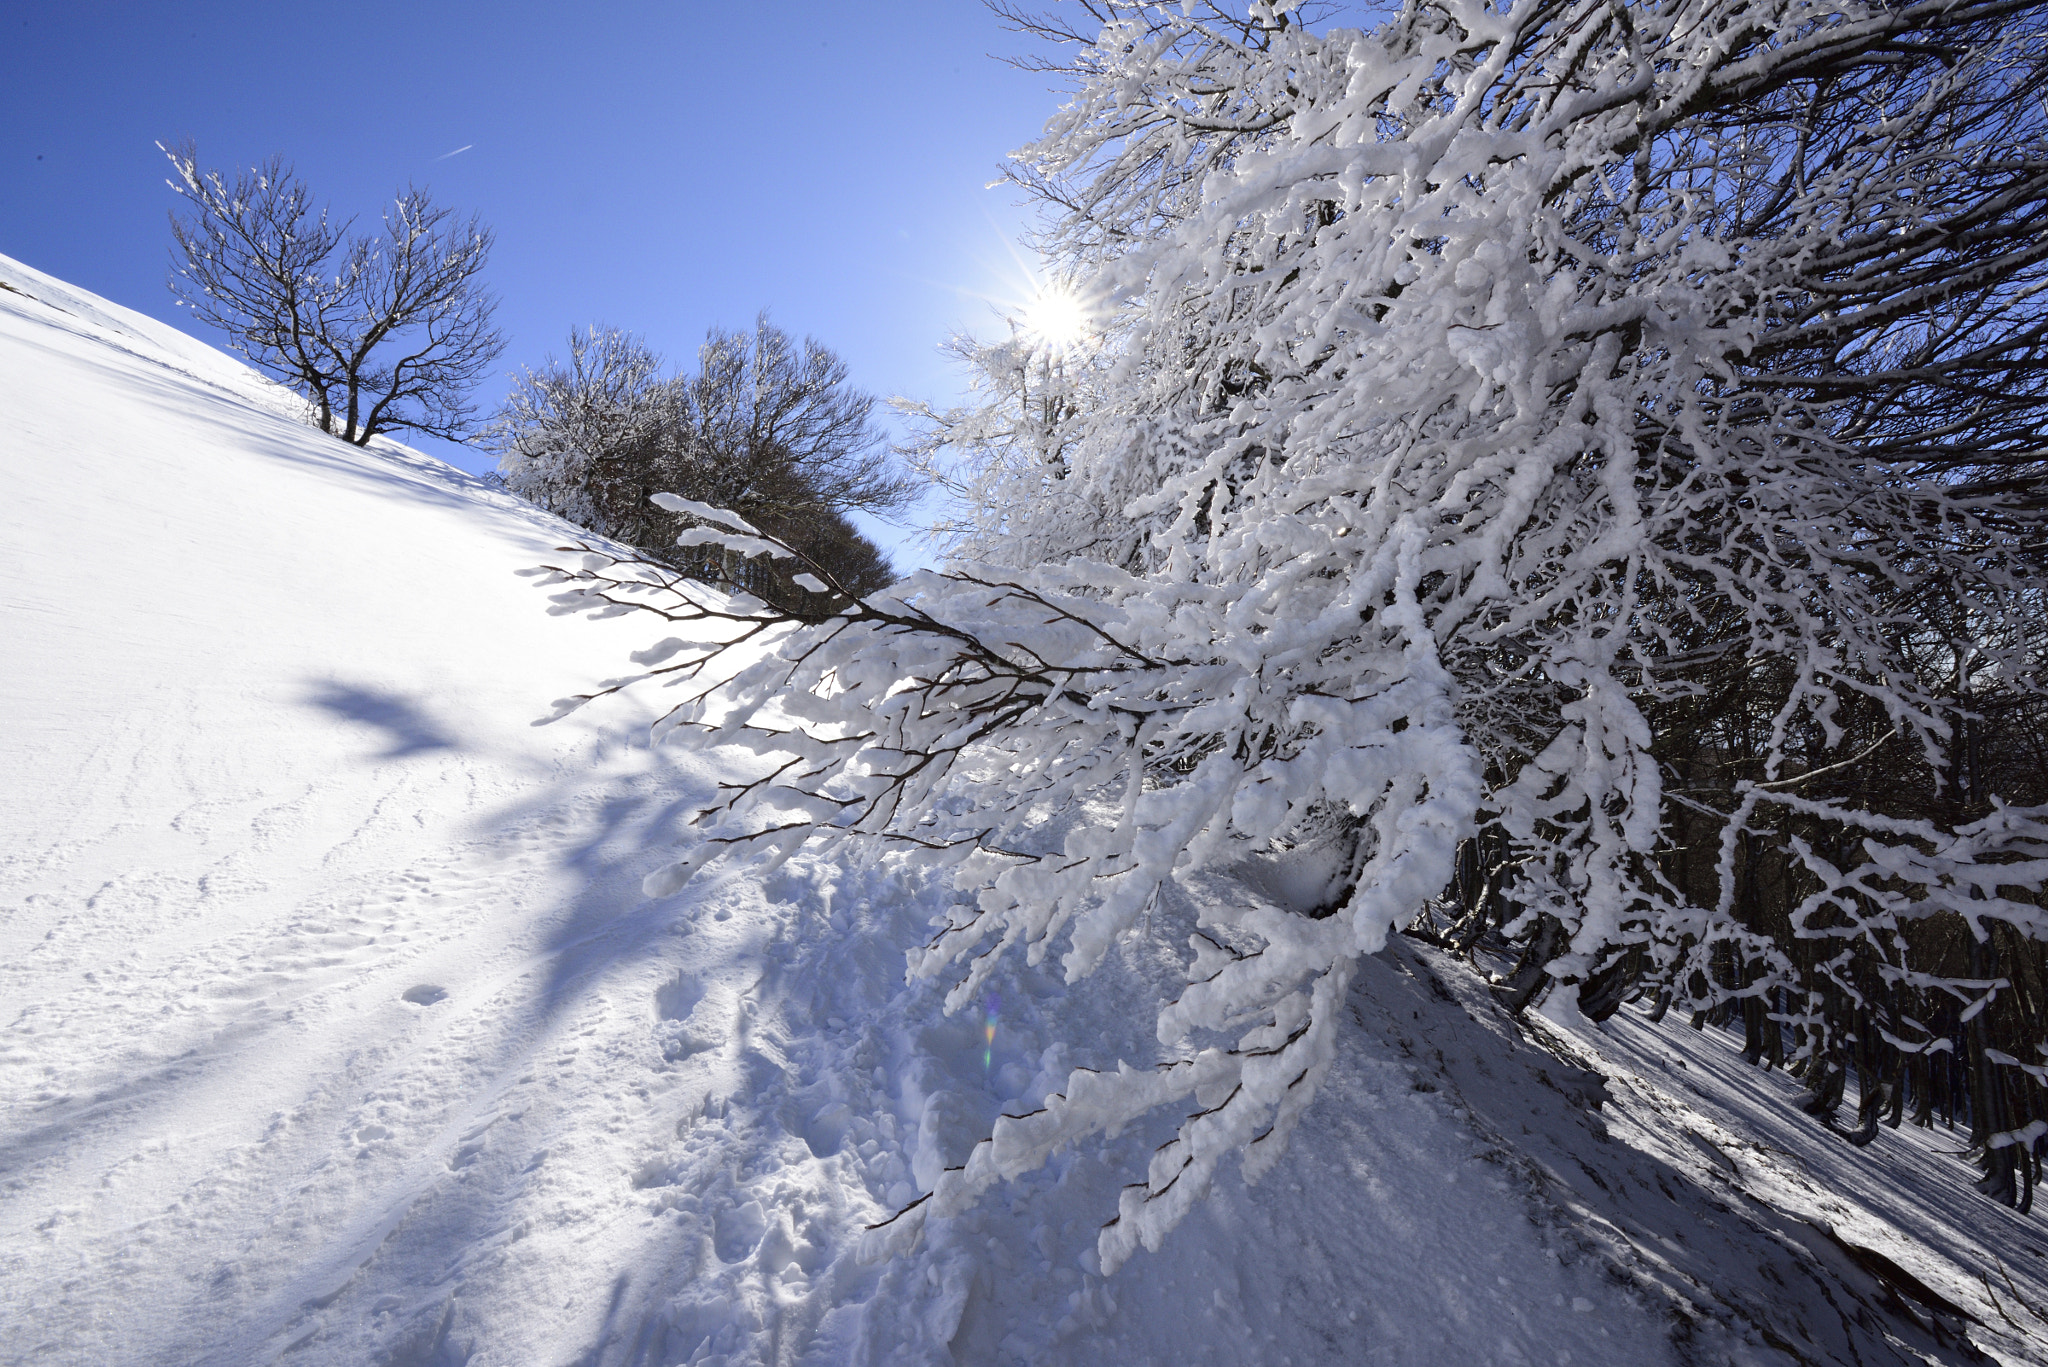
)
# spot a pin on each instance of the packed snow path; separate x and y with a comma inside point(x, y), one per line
point(336, 1029)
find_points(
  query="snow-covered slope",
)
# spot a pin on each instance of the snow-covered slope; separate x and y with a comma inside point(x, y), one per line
point(336, 1029)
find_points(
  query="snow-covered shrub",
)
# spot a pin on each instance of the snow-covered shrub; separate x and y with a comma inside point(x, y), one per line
point(1466, 387)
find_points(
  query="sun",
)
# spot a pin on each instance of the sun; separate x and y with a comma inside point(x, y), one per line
point(1057, 319)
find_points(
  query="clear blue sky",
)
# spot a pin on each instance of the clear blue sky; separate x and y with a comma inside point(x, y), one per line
point(662, 167)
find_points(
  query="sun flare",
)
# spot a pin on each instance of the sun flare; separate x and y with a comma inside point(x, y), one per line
point(1057, 319)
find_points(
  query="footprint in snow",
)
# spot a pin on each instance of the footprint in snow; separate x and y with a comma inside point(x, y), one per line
point(674, 1001)
point(737, 1231)
point(426, 994)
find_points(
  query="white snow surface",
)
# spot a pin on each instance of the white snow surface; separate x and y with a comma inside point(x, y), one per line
point(337, 1030)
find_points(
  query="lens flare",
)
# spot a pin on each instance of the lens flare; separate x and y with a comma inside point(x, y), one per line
point(988, 1052)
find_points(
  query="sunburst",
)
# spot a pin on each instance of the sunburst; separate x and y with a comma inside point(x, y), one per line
point(1057, 319)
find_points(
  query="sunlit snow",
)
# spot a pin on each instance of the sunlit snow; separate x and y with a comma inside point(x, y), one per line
point(337, 1029)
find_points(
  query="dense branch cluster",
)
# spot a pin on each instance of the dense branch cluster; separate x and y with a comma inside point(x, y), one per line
point(1569, 473)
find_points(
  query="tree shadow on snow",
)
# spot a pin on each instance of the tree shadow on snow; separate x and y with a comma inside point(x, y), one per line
point(405, 725)
point(259, 425)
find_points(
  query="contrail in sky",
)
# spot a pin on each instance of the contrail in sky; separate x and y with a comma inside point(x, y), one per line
point(456, 153)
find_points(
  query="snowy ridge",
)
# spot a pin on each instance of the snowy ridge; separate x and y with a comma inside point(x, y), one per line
point(334, 1027)
point(140, 336)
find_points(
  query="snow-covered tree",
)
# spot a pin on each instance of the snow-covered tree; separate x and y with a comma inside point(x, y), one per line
point(1469, 389)
point(582, 437)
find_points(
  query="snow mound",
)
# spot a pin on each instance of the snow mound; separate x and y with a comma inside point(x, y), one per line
point(336, 1029)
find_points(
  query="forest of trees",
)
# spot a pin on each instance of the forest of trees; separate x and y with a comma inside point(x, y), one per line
point(1570, 476)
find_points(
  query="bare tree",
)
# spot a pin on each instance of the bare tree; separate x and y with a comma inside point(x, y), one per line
point(780, 433)
point(381, 331)
point(591, 437)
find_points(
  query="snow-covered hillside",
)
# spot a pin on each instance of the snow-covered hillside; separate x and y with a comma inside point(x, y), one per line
point(336, 1029)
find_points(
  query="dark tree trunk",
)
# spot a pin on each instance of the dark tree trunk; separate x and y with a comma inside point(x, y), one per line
point(1600, 996)
point(1528, 978)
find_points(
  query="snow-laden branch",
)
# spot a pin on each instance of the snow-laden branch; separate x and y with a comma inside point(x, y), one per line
point(1492, 389)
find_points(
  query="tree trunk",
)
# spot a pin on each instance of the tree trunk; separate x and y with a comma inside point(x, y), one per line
point(1528, 977)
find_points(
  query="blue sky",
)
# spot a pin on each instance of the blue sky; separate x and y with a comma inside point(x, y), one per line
point(662, 167)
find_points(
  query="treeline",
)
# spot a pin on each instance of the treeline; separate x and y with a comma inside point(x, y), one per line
point(1937, 1014)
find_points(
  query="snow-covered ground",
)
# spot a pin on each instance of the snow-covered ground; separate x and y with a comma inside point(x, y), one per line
point(336, 1029)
